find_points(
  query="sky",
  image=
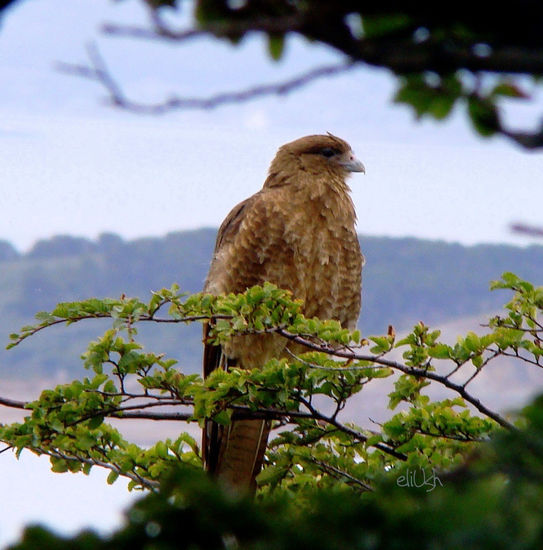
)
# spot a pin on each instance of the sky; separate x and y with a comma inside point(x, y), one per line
point(72, 164)
point(64, 502)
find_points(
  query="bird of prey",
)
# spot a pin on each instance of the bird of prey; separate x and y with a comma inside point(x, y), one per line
point(297, 232)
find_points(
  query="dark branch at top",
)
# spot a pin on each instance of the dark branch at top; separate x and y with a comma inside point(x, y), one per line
point(406, 39)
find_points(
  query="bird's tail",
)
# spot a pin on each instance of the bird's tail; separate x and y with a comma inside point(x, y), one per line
point(241, 452)
point(233, 454)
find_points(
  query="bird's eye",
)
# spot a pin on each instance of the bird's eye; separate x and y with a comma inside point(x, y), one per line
point(328, 152)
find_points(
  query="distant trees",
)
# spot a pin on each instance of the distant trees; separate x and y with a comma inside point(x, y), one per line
point(61, 245)
point(406, 280)
point(7, 252)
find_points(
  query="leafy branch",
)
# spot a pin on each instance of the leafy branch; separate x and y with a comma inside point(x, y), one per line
point(324, 366)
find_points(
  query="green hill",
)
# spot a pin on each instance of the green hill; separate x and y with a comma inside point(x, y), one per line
point(405, 280)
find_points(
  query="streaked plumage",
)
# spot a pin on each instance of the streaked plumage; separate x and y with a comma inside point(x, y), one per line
point(297, 232)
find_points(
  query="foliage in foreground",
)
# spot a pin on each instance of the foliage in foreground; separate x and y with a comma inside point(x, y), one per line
point(494, 503)
point(304, 393)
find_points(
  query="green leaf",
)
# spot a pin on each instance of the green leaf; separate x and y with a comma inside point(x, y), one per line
point(222, 417)
point(440, 351)
point(85, 441)
point(112, 477)
point(109, 387)
point(95, 422)
point(379, 25)
point(509, 89)
point(383, 344)
point(430, 98)
point(477, 361)
point(441, 105)
point(59, 466)
point(483, 114)
point(161, 449)
point(472, 342)
point(44, 316)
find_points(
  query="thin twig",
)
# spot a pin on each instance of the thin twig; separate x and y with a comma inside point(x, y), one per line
point(517, 355)
point(135, 412)
point(148, 483)
point(525, 229)
point(342, 473)
point(462, 439)
point(98, 72)
point(145, 483)
point(333, 369)
point(143, 318)
point(423, 373)
point(315, 414)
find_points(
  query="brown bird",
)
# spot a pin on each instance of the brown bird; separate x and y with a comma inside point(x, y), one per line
point(297, 232)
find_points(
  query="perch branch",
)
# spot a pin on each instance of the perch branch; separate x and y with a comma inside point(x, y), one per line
point(423, 373)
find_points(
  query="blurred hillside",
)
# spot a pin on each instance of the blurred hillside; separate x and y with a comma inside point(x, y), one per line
point(405, 280)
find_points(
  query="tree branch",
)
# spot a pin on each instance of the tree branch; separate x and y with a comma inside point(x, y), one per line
point(525, 229)
point(145, 483)
point(160, 31)
point(423, 373)
point(399, 53)
point(528, 140)
point(136, 412)
point(336, 472)
point(99, 72)
point(12, 403)
point(143, 318)
point(444, 51)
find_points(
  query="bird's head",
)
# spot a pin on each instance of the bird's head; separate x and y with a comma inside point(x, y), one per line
point(318, 154)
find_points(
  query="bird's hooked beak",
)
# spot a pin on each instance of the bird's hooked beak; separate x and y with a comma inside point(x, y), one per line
point(350, 163)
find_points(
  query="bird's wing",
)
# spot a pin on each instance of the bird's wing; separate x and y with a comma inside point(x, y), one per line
point(231, 224)
point(244, 241)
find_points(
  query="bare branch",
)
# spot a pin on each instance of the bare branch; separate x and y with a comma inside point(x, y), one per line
point(399, 53)
point(528, 140)
point(463, 438)
point(98, 72)
point(525, 229)
point(12, 403)
point(493, 354)
point(177, 416)
point(517, 355)
point(336, 472)
point(396, 51)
